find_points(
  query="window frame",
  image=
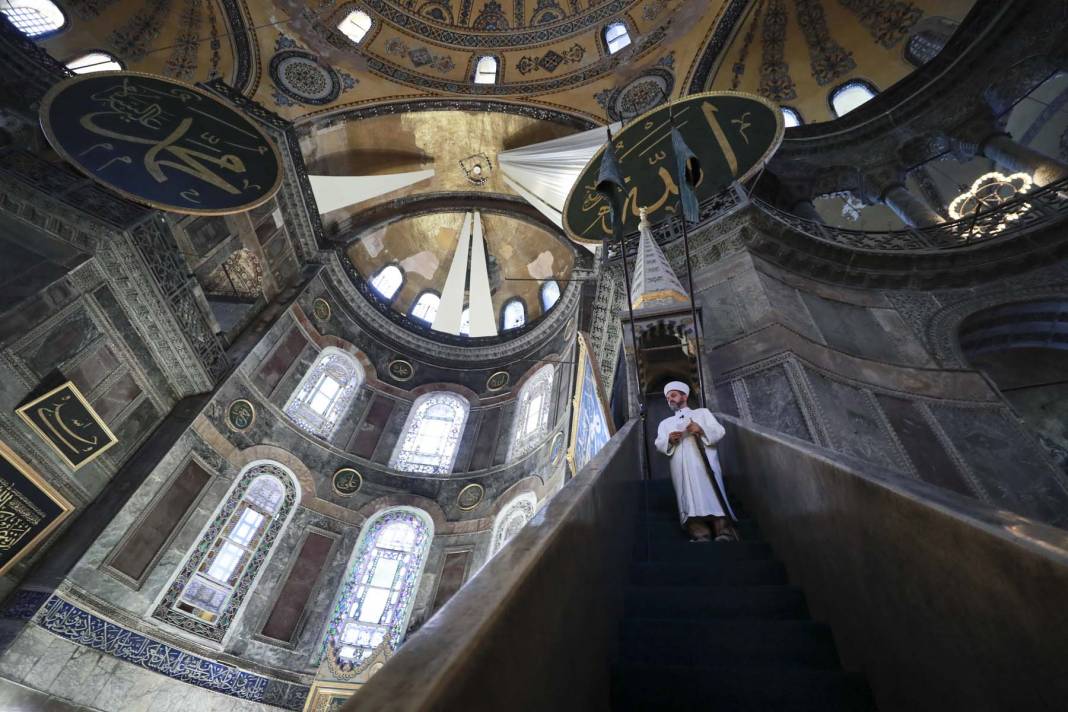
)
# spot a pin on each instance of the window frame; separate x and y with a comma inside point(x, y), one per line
point(41, 35)
point(396, 292)
point(296, 405)
point(607, 44)
point(349, 589)
point(541, 295)
point(497, 65)
point(504, 312)
point(527, 503)
point(522, 440)
point(366, 33)
point(402, 445)
point(83, 55)
point(846, 85)
point(208, 537)
point(784, 110)
point(415, 303)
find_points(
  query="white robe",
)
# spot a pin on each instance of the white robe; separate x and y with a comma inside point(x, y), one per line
point(688, 473)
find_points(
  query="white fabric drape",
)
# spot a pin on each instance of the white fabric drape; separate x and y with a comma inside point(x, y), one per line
point(333, 192)
point(451, 307)
point(482, 321)
point(543, 173)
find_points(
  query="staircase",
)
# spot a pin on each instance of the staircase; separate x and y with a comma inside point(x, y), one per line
point(716, 626)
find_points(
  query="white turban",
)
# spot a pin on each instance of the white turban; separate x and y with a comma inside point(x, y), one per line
point(676, 386)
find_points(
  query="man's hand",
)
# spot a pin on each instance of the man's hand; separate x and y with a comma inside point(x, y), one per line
point(675, 437)
point(695, 429)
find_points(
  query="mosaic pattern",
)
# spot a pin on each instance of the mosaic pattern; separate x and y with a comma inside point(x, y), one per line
point(390, 557)
point(83, 628)
point(775, 81)
point(888, 22)
point(828, 58)
point(167, 612)
point(638, 95)
point(182, 62)
point(551, 60)
point(738, 68)
point(133, 40)
point(300, 78)
point(420, 56)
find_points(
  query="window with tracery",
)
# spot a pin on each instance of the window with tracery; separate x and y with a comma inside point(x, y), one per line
point(531, 422)
point(231, 551)
point(375, 601)
point(851, 95)
point(512, 517)
point(94, 62)
point(388, 280)
point(790, 117)
point(356, 25)
point(426, 307)
point(486, 70)
point(550, 294)
point(34, 18)
point(431, 435)
point(514, 314)
point(326, 392)
point(616, 37)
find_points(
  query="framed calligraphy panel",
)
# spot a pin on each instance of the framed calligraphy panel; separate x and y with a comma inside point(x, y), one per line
point(161, 142)
point(66, 421)
point(591, 427)
point(30, 509)
point(732, 134)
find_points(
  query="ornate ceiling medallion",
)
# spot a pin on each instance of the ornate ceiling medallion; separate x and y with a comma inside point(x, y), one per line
point(299, 77)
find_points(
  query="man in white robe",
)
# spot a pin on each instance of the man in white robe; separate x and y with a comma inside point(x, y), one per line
point(689, 438)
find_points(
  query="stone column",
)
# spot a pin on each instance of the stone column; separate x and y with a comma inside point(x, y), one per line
point(913, 210)
point(1015, 157)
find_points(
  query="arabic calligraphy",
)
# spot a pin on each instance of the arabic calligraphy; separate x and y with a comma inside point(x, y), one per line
point(18, 516)
point(29, 508)
point(69, 424)
point(161, 142)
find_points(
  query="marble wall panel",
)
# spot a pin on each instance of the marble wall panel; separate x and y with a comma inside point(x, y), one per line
point(855, 330)
point(725, 401)
point(114, 400)
point(927, 453)
point(772, 402)
point(366, 437)
point(132, 339)
point(288, 610)
point(1006, 460)
point(851, 422)
point(453, 574)
point(94, 368)
point(505, 415)
point(133, 429)
point(791, 309)
point(64, 340)
point(485, 443)
point(721, 313)
point(279, 361)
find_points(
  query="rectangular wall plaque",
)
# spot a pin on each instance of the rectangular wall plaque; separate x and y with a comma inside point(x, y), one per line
point(69, 424)
point(29, 508)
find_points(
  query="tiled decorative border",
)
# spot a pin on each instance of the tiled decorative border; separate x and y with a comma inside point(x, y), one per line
point(68, 621)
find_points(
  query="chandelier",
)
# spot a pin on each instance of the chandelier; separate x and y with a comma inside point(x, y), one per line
point(990, 191)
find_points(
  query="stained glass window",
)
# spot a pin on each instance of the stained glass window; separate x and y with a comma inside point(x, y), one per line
point(531, 422)
point(426, 307)
point(431, 435)
point(376, 597)
point(388, 280)
point(356, 25)
point(512, 517)
point(34, 18)
point(550, 294)
point(94, 62)
point(514, 314)
point(207, 592)
point(616, 37)
point(326, 392)
point(486, 70)
point(850, 95)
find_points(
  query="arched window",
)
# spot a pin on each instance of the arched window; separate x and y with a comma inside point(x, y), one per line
point(531, 422)
point(356, 25)
point(616, 37)
point(465, 322)
point(431, 434)
point(426, 307)
point(230, 553)
point(34, 18)
point(486, 70)
point(514, 314)
point(388, 280)
point(95, 62)
point(550, 294)
point(790, 117)
point(375, 600)
point(512, 517)
point(851, 95)
point(326, 392)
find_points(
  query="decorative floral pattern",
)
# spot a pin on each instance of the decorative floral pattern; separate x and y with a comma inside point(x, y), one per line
point(551, 60)
point(775, 81)
point(420, 56)
point(166, 610)
point(828, 58)
point(300, 78)
point(738, 68)
point(888, 22)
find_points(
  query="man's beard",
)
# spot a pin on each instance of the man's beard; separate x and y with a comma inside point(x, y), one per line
point(676, 406)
